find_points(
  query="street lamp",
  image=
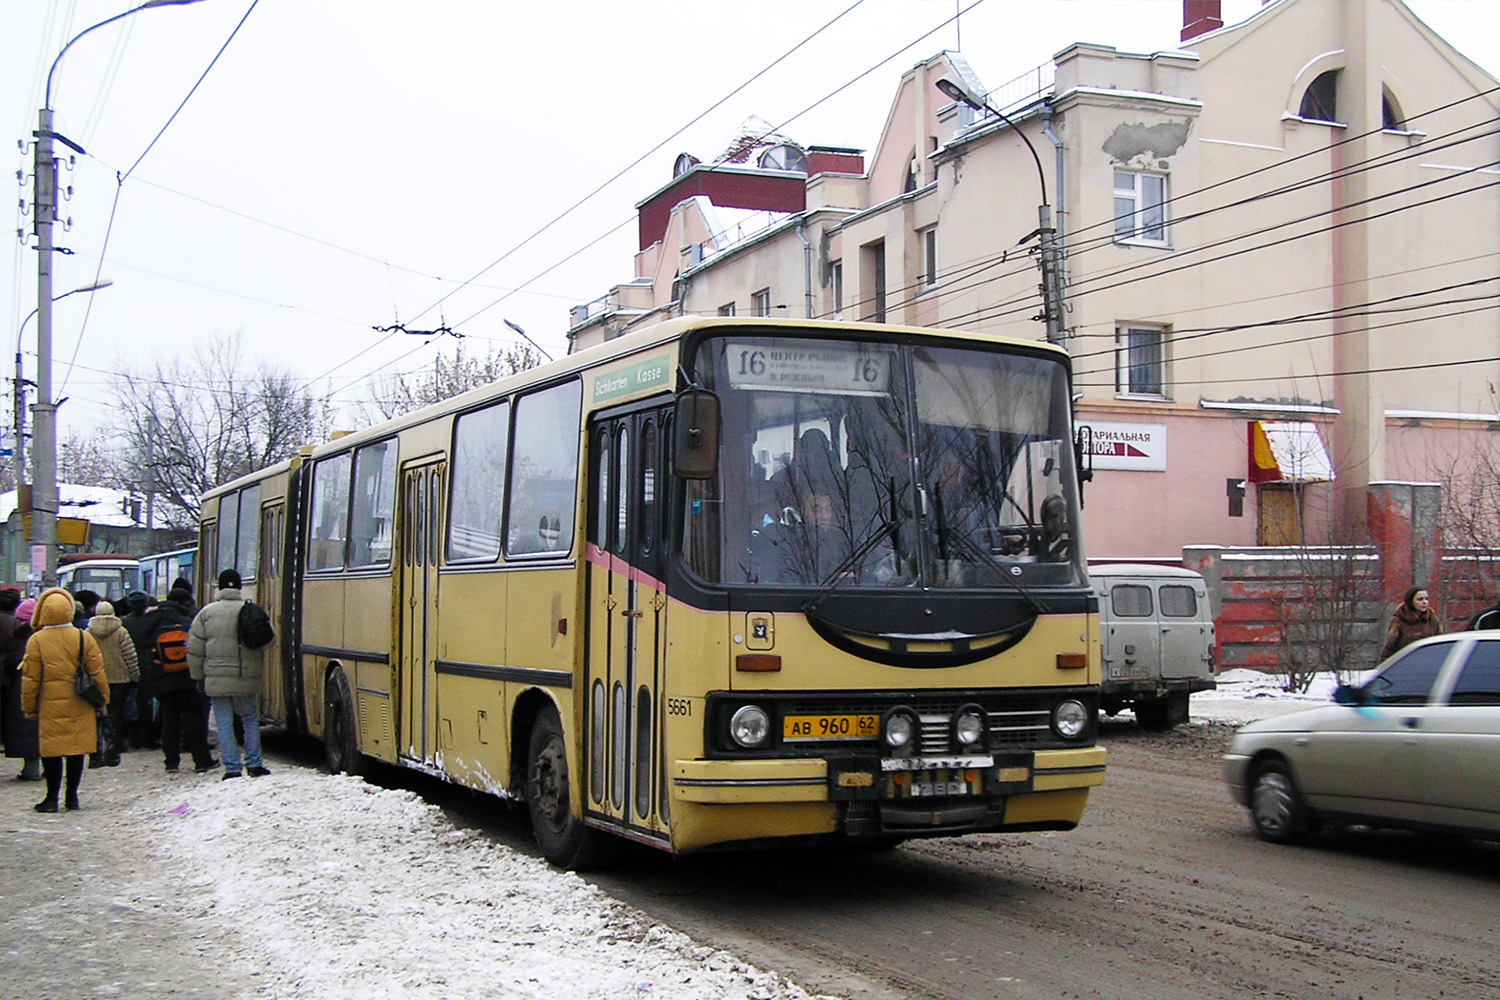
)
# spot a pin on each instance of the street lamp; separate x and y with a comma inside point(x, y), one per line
point(516, 327)
point(1051, 255)
point(19, 454)
point(44, 214)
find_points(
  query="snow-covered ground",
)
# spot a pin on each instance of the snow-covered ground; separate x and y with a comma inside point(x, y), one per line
point(339, 888)
point(1246, 695)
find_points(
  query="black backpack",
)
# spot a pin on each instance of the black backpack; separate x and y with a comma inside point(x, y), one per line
point(254, 626)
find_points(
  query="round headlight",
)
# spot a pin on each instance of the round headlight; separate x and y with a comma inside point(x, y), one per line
point(1070, 719)
point(750, 727)
point(901, 728)
point(968, 727)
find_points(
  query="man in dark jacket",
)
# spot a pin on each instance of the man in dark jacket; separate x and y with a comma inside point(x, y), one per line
point(181, 706)
point(145, 732)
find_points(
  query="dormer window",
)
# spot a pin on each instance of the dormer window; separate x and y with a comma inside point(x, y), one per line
point(784, 156)
point(1320, 100)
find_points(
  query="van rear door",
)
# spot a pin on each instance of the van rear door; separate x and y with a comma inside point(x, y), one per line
point(1134, 640)
point(1186, 635)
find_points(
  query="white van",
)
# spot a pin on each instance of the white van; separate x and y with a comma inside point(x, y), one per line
point(1157, 633)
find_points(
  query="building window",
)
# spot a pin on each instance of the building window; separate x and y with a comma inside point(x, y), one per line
point(1140, 207)
point(1391, 118)
point(836, 279)
point(1140, 360)
point(872, 279)
point(760, 302)
point(929, 257)
point(727, 309)
point(1320, 100)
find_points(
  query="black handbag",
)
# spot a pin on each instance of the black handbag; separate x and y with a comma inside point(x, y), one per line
point(83, 681)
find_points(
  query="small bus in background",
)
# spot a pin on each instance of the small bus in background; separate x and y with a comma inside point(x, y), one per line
point(159, 570)
point(109, 576)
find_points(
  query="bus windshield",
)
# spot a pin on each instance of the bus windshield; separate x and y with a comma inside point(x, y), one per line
point(874, 464)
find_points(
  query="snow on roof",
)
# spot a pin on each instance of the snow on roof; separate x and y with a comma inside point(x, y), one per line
point(95, 504)
point(730, 226)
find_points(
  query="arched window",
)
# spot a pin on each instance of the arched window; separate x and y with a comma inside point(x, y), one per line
point(1391, 118)
point(1319, 101)
point(784, 156)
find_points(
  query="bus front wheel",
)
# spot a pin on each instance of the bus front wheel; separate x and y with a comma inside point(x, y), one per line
point(340, 738)
point(563, 838)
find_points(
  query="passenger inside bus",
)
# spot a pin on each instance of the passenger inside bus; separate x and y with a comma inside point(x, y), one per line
point(1057, 543)
point(822, 516)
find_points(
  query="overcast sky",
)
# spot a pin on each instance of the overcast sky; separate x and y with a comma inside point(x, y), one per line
point(344, 166)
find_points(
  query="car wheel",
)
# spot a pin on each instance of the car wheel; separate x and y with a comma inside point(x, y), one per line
point(562, 837)
point(1276, 807)
point(340, 738)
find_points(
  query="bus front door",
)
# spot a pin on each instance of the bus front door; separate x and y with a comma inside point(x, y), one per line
point(421, 534)
point(627, 625)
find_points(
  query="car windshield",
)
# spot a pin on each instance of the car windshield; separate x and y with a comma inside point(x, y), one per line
point(871, 464)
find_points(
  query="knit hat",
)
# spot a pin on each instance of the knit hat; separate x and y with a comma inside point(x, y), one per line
point(136, 599)
point(229, 578)
point(25, 608)
point(103, 608)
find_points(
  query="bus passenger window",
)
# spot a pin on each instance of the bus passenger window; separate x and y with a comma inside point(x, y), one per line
point(478, 483)
point(330, 514)
point(374, 502)
point(544, 472)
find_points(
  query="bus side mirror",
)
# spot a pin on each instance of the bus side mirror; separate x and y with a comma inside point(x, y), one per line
point(695, 436)
point(1083, 454)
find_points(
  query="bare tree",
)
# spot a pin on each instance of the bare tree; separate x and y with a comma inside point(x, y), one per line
point(191, 423)
point(397, 394)
point(90, 461)
point(1470, 524)
point(1327, 605)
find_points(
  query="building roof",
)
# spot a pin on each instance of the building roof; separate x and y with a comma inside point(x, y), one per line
point(96, 504)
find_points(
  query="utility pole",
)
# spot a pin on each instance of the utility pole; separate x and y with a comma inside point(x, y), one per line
point(44, 413)
point(44, 474)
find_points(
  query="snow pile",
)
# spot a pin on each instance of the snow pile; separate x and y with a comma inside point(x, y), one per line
point(1247, 695)
point(347, 890)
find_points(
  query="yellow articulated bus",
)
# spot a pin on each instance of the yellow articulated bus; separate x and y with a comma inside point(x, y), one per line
point(722, 583)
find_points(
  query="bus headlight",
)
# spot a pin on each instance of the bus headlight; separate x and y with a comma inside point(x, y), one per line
point(750, 727)
point(1070, 719)
point(899, 728)
point(968, 728)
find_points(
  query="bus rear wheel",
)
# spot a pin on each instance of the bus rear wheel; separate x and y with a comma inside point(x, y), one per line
point(563, 838)
point(340, 737)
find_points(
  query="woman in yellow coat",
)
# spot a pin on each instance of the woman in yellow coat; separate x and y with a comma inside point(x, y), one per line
point(65, 722)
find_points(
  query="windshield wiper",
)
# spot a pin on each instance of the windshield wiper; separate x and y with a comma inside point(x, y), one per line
point(882, 530)
point(947, 535)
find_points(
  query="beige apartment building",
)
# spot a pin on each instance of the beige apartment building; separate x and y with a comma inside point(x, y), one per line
point(1280, 256)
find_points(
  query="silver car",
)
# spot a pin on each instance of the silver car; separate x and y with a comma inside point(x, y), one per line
point(1417, 745)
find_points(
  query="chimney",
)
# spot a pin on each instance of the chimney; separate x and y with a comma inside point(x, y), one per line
point(1199, 17)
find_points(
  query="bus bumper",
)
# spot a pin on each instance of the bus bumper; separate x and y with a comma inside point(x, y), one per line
point(865, 796)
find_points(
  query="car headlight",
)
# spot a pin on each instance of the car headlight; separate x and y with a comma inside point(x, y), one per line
point(968, 727)
point(899, 728)
point(1070, 719)
point(750, 727)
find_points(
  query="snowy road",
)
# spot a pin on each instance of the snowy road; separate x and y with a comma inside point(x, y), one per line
point(302, 885)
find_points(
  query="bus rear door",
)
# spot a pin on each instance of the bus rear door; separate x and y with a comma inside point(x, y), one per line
point(421, 534)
